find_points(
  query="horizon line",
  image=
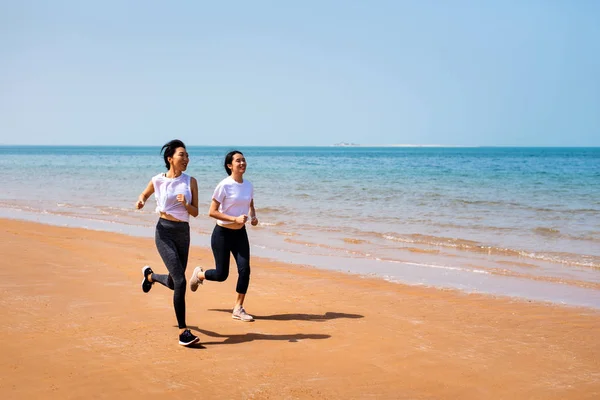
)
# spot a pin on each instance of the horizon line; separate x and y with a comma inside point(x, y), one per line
point(330, 145)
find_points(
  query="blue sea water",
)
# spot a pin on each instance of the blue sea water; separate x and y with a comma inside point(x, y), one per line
point(509, 221)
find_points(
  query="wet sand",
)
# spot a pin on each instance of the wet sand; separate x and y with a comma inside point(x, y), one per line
point(75, 324)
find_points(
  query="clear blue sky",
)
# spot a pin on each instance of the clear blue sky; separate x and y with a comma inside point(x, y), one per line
point(300, 73)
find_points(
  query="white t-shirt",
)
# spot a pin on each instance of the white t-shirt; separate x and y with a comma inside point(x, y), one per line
point(166, 191)
point(234, 198)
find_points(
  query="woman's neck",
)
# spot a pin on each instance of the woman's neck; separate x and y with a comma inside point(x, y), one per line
point(237, 177)
point(172, 173)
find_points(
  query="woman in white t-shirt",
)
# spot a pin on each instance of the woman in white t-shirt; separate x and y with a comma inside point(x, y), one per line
point(232, 206)
point(176, 199)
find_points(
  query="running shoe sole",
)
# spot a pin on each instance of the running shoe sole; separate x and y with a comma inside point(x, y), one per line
point(190, 343)
point(144, 269)
point(242, 319)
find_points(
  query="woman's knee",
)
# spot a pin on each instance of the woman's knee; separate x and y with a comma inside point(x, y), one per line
point(179, 283)
point(221, 276)
point(244, 270)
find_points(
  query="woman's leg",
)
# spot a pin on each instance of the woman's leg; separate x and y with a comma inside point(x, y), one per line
point(162, 238)
point(219, 242)
point(172, 242)
point(241, 253)
point(240, 248)
point(163, 279)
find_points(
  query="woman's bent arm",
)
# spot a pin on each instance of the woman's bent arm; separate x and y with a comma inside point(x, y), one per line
point(192, 208)
point(215, 213)
point(144, 196)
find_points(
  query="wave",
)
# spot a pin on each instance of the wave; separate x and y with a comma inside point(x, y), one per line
point(556, 208)
point(301, 196)
point(261, 223)
point(517, 264)
point(541, 278)
point(436, 266)
point(556, 233)
point(564, 258)
point(19, 207)
point(307, 244)
point(354, 241)
point(287, 233)
point(431, 240)
point(546, 231)
point(273, 210)
point(478, 227)
point(486, 202)
point(330, 248)
point(424, 251)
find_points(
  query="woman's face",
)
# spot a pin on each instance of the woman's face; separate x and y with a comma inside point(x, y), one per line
point(180, 159)
point(238, 164)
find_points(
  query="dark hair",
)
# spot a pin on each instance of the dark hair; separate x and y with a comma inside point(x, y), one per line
point(229, 159)
point(169, 149)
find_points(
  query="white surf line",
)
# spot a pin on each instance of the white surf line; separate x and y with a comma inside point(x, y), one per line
point(477, 271)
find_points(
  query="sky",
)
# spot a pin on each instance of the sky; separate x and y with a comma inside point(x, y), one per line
point(303, 73)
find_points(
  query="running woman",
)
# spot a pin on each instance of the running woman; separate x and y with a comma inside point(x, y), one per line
point(232, 206)
point(176, 196)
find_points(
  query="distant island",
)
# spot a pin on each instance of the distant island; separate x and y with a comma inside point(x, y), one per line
point(344, 144)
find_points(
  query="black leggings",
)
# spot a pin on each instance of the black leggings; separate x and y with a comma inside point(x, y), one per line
point(235, 241)
point(173, 243)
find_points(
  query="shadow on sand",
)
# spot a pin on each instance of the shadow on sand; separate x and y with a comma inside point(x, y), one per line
point(298, 317)
point(250, 337)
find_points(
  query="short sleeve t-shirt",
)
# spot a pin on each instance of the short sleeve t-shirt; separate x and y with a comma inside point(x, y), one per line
point(234, 197)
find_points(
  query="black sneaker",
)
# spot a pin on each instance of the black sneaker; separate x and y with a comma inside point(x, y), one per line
point(146, 284)
point(187, 338)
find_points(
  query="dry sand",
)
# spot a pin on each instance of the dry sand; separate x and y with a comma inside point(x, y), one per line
point(76, 325)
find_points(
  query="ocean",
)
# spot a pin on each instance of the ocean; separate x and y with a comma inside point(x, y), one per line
point(519, 222)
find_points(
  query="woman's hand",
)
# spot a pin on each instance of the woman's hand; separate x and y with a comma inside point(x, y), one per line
point(181, 199)
point(241, 219)
point(254, 221)
point(140, 204)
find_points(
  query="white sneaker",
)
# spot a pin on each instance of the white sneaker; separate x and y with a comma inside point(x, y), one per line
point(195, 281)
point(242, 315)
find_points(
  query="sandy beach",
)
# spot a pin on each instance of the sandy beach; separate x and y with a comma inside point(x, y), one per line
point(75, 324)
